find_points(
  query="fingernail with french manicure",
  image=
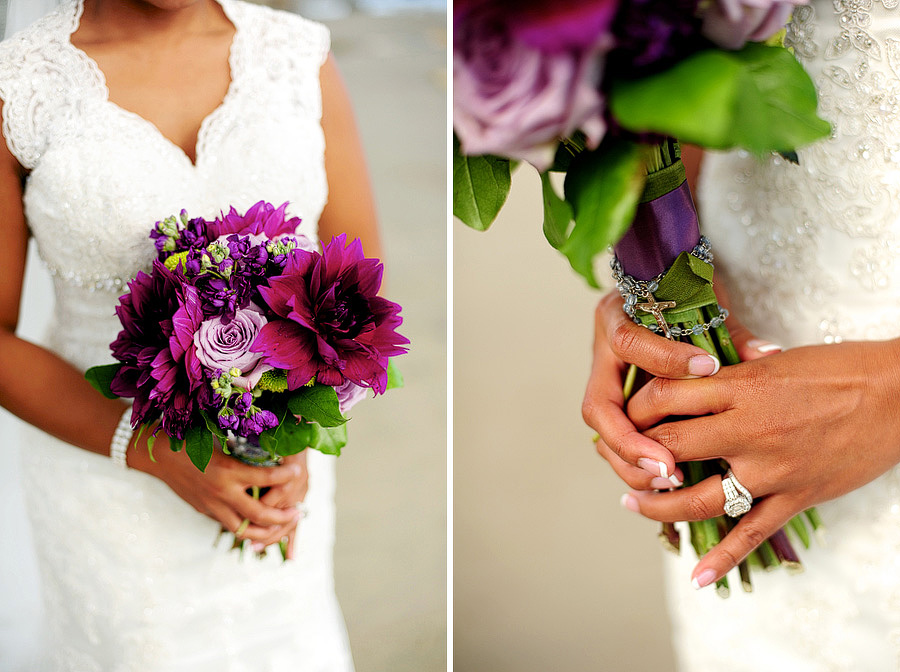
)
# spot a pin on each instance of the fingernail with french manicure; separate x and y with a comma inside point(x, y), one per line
point(257, 547)
point(764, 347)
point(660, 483)
point(653, 467)
point(703, 365)
point(703, 579)
point(630, 502)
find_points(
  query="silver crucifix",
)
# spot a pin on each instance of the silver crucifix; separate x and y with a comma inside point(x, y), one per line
point(655, 308)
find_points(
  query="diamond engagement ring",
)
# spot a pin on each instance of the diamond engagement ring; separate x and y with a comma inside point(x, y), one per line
point(737, 498)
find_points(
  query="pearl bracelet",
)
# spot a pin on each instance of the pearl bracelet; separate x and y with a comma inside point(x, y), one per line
point(120, 440)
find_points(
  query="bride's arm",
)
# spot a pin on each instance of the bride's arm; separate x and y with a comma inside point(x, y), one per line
point(351, 205)
point(43, 389)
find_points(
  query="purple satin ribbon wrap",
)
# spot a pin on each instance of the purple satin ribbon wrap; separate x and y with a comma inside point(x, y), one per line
point(663, 228)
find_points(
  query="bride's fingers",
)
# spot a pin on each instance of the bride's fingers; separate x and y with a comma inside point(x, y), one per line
point(657, 356)
point(694, 439)
point(638, 478)
point(260, 514)
point(702, 501)
point(661, 398)
point(764, 519)
point(619, 435)
point(235, 524)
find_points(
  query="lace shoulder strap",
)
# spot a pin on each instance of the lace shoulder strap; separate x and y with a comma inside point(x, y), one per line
point(284, 53)
point(42, 84)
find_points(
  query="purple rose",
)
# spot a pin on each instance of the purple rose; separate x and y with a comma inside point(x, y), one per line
point(731, 23)
point(524, 79)
point(349, 394)
point(225, 346)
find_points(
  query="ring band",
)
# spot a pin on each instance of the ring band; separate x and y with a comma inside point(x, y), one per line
point(738, 499)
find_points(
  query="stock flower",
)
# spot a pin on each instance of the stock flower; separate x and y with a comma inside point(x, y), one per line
point(731, 23)
point(226, 345)
point(334, 326)
point(524, 79)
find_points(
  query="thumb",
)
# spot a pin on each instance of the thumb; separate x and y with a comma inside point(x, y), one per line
point(748, 346)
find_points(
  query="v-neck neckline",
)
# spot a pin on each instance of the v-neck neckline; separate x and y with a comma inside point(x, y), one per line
point(207, 121)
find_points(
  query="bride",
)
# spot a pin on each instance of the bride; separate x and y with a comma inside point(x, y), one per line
point(117, 113)
point(810, 255)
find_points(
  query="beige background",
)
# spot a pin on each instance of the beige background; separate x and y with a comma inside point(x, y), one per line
point(390, 555)
point(550, 573)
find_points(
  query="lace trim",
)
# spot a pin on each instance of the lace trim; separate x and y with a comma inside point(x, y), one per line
point(40, 69)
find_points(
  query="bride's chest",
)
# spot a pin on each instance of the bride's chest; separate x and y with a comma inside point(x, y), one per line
point(109, 175)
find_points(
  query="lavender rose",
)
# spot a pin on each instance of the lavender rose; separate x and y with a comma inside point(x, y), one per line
point(731, 23)
point(524, 79)
point(349, 394)
point(225, 346)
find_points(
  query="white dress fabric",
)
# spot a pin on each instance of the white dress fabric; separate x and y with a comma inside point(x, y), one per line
point(811, 255)
point(130, 577)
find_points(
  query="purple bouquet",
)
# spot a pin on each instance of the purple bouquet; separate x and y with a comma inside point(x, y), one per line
point(599, 90)
point(246, 332)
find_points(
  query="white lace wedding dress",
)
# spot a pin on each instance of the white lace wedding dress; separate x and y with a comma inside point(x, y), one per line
point(812, 255)
point(129, 574)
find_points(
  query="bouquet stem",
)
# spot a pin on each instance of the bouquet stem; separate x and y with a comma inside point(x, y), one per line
point(663, 269)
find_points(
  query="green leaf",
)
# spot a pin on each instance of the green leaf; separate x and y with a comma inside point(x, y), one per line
point(329, 440)
point(213, 427)
point(603, 188)
point(759, 98)
point(100, 378)
point(150, 441)
point(175, 444)
point(480, 187)
point(394, 377)
point(318, 403)
point(293, 437)
point(557, 214)
point(199, 446)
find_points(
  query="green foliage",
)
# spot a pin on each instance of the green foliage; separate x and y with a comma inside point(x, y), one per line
point(480, 187)
point(394, 377)
point(319, 404)
point(557, 214)
point(759, 98)
point(603, 188)
point(198, 443)
point(293, 437)
point(329, 440)
point(100, 377)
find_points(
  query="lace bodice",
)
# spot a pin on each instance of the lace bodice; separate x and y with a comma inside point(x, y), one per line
point(823, 235)
point(811, 255)
point(100, 176)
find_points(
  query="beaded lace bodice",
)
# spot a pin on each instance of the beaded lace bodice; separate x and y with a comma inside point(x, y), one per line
point(130, 577)
point(811, 255)
point(100, 176)
point(818, 237)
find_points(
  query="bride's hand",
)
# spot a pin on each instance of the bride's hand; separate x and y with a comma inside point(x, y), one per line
point(288, 496)
point(797, 428)
point(641, 463)
point(221, 491)
point(619, 342)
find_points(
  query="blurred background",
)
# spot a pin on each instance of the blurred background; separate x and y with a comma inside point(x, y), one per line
point(390, 554)
point(550, 573)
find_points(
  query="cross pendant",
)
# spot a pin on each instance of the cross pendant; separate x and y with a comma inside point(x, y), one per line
point(655, 308)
